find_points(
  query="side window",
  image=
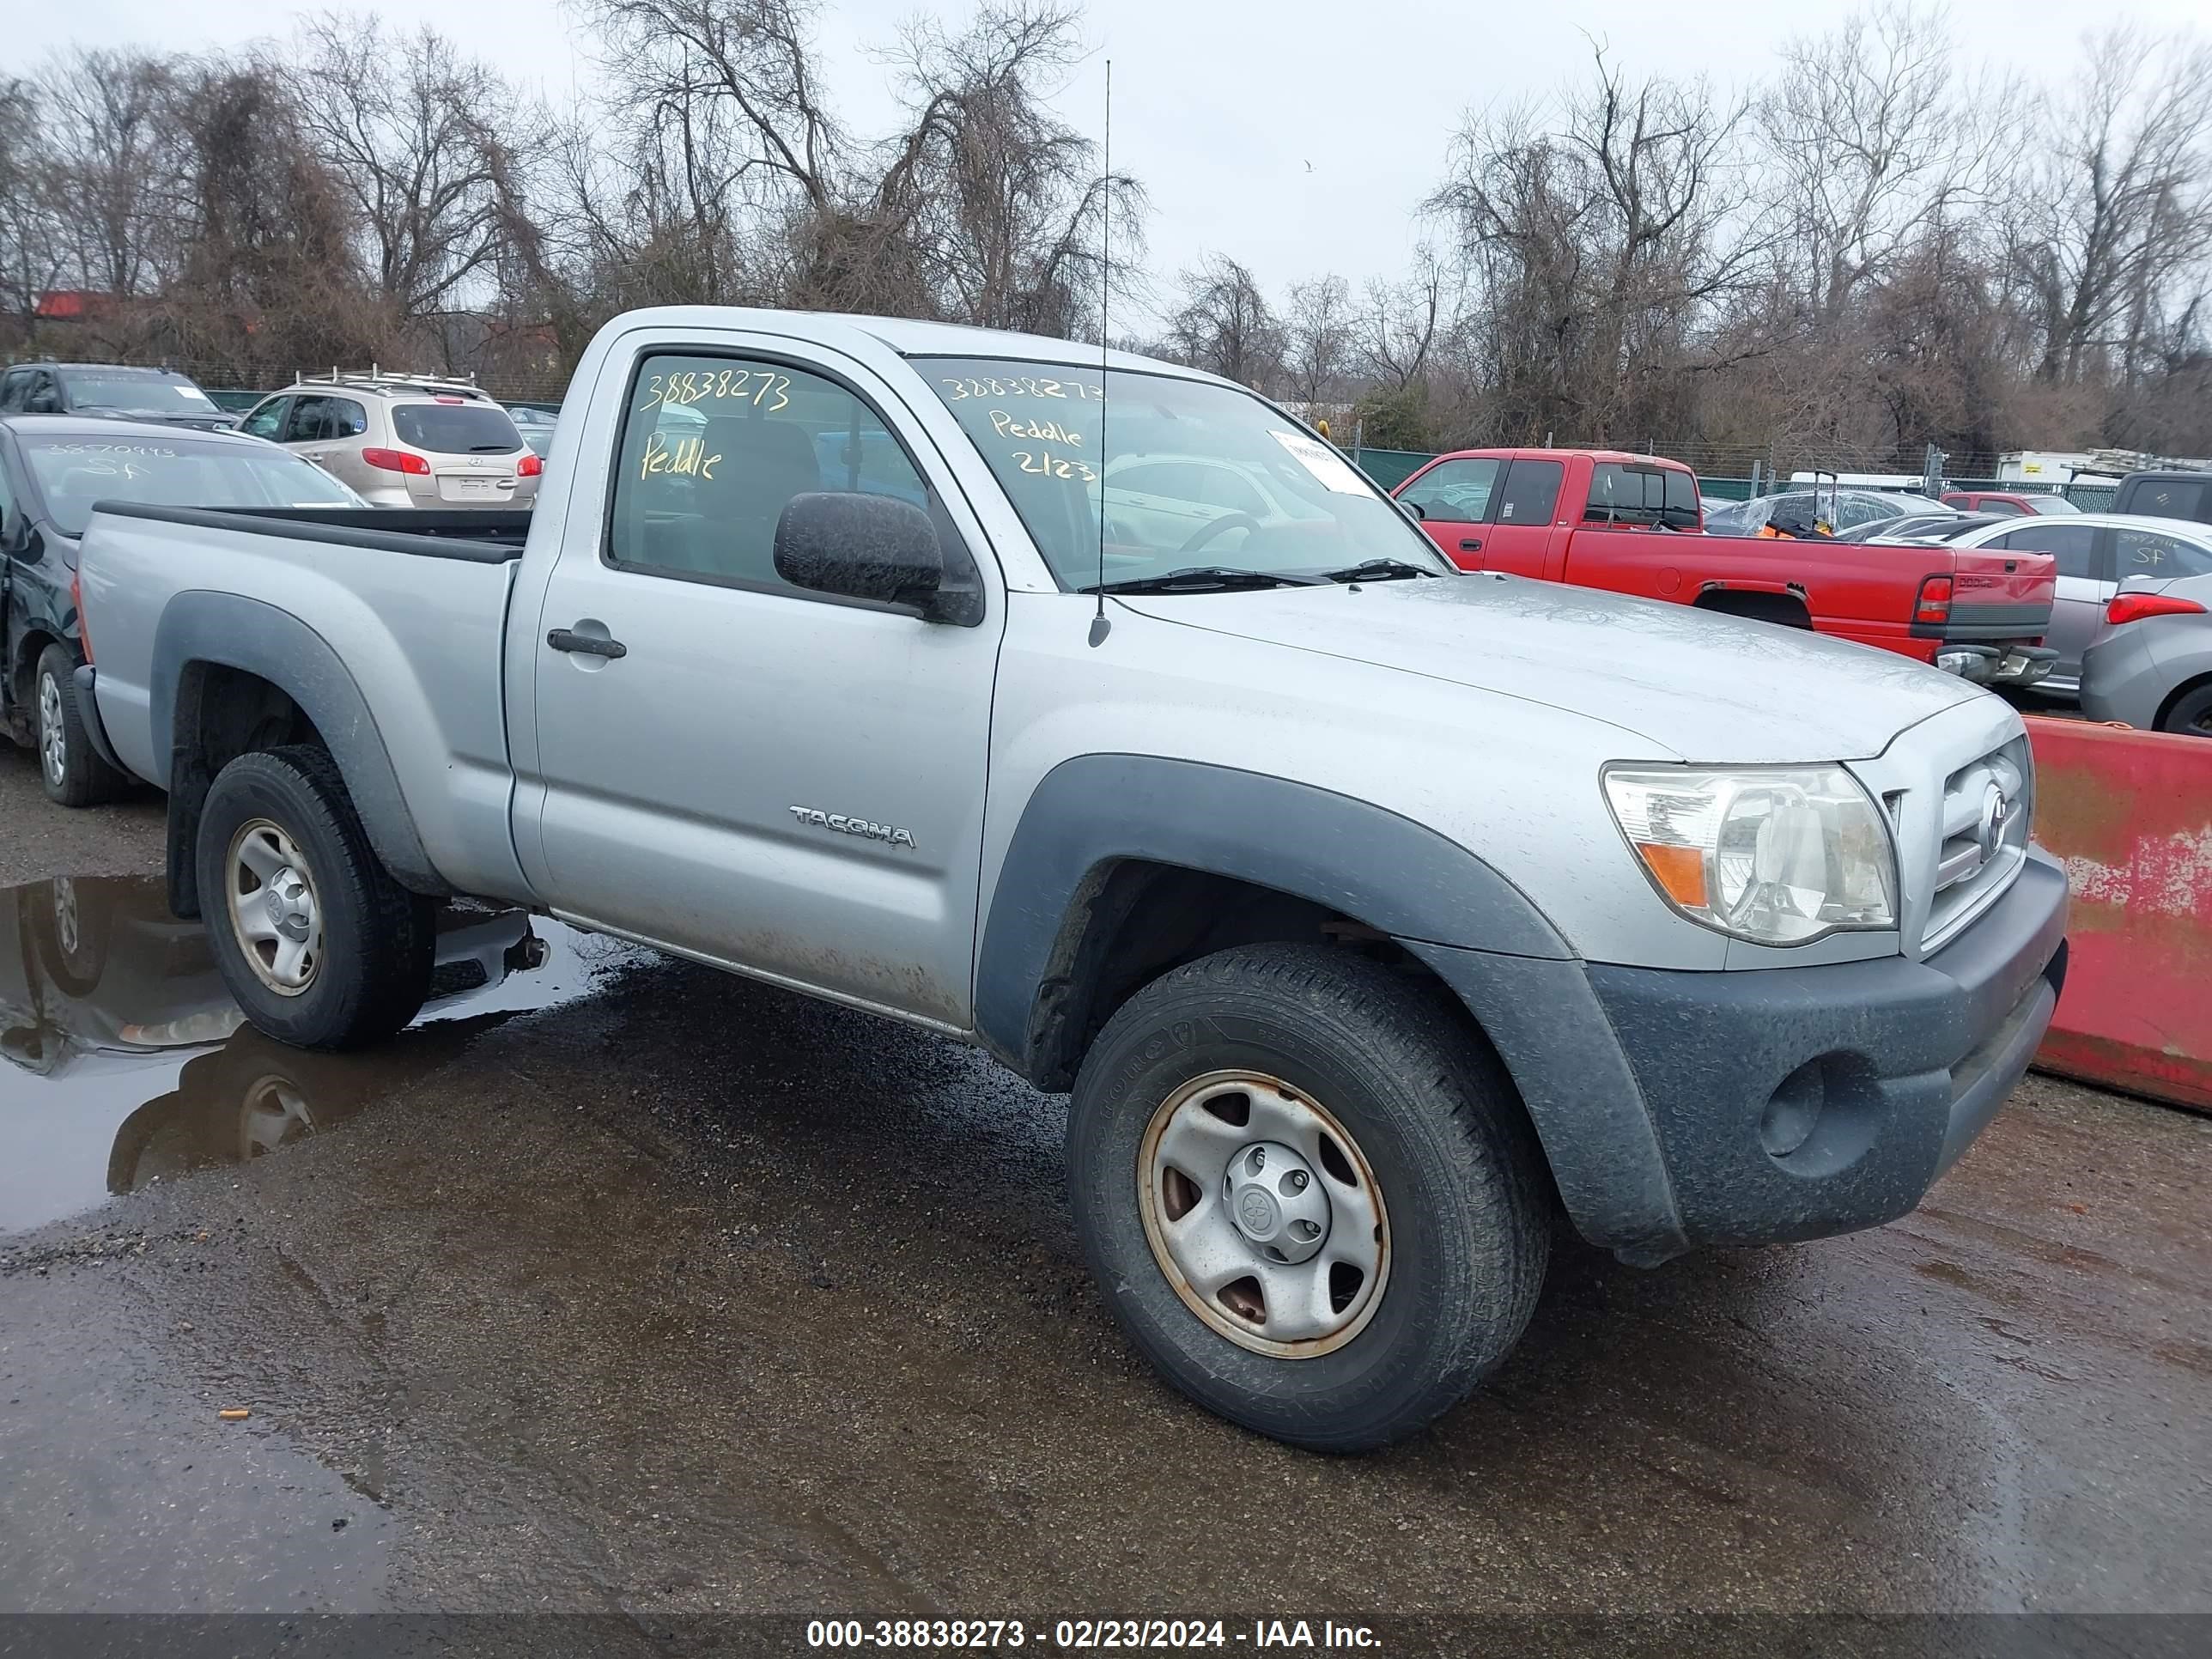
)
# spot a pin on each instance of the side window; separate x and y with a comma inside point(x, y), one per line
point(1639, 493)
point(2152, 553)
point(1530, 491)
point(1457, 492)
point(347, 418)
point(13, 384)
point(311, 421)
point(2073, 545)
point(267, 419)
point(2002, 509)
point(45, 396)
point(712, 450)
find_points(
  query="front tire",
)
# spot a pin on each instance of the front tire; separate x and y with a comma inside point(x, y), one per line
point(73, 773)
point(321, 946)
point(1397, 1246)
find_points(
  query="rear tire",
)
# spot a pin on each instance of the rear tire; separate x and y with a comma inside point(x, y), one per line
point(1429, 1141)
point(321, 947)
point(72, 771)
point(2190, 715)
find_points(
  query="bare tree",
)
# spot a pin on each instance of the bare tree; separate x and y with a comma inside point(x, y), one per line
point(110, 118)
point(1224, 325)
point(2116, 216)
point(1317, 336)
point(32, 250)
point(1870, 136)
point(429, 148)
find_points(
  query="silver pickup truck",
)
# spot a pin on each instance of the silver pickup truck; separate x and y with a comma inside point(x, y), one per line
point(1099, 714)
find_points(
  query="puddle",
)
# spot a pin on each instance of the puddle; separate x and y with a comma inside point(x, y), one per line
point(123, 1059)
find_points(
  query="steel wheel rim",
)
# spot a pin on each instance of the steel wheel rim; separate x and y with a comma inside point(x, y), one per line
point(1241, 1263)
point(275, 913)
point(53, 734)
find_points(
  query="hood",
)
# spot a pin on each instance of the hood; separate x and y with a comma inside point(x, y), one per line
point(1687, 684)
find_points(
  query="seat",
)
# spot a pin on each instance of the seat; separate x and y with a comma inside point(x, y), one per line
point(763, 464)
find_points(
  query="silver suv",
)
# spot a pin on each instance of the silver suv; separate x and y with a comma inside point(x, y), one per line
point(402, 440)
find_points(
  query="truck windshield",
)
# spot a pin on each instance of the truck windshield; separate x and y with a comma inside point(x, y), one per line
point(1193, 475)
point(73, 473)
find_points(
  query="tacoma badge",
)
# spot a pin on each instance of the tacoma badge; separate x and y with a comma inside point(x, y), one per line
point(849, 826)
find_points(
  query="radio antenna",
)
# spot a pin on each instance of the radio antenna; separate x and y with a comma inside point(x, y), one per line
point(1100, 627)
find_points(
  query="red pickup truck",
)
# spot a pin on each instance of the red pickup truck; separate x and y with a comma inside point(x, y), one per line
point(1632, 523)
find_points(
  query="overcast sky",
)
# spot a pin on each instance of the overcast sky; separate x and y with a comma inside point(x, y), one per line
point(1220, 105)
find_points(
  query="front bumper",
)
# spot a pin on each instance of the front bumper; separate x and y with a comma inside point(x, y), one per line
point(1681, 1109)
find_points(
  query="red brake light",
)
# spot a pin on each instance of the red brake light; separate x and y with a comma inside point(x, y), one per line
point(530, 466)
point(1933, 605)
point(2134, 607)
point(76, 604)
point(442, 398)
point(396, 460)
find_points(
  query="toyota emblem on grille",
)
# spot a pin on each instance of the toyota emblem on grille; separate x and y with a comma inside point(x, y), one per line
point(1996, 811)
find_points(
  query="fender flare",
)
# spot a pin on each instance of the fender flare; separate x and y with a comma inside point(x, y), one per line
point(1519, 979)
point(257, 638)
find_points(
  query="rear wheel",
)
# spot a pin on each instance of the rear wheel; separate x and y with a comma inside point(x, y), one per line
point(1308, 1191)
point(71, 771)
point(321, 947)
point(2191, 715)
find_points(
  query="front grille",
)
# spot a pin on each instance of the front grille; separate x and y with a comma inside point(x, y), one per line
point(1974, 869)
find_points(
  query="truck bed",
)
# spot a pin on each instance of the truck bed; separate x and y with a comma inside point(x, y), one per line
point(397, 632)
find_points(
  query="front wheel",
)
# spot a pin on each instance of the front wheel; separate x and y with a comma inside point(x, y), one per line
point(71, 770)
point(321, 947)
point(1308, 1191)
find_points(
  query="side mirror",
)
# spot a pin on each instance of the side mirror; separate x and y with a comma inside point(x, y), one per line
point(862, 547)
point(19, 541)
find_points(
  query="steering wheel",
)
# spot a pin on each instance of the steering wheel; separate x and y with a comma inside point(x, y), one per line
point(1212, 527)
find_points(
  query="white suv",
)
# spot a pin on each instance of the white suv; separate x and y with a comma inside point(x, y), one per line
point(404, 441)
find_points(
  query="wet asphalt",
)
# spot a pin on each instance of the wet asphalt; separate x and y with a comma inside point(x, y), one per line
point(620, 1286)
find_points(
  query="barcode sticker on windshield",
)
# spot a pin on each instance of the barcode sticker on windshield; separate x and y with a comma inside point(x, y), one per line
point(1324, 462)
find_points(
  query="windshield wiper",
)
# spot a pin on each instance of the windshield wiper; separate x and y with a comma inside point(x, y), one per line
point(1378, 570)
point(1202, 579)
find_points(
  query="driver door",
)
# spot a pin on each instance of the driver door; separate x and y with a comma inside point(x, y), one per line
point(1454, 496)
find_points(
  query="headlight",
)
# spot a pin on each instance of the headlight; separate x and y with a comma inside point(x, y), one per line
point(1776, 856)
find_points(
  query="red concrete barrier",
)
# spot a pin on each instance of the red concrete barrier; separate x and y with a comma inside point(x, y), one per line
point(2130, 815)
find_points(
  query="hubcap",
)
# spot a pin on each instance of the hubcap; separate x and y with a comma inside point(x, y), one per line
point(273, 908)
point(1263, 1214)
point(53, 735)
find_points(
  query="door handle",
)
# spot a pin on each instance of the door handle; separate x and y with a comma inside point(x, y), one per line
point(1470, 544)
point(562, 639)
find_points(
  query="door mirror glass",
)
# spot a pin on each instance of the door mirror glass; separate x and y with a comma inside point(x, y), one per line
point(860, 547)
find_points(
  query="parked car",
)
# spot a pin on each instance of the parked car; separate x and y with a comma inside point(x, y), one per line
point(2003, 503)
point(1839, 509)
point(535, 425)
point(52, 469)
point(110, 392)
point(1918, 527)
point(2166, 495)
point(2150, 664)
point(1601, 518)
point(1369, 909)
point(404, 442)
point(2095, 552)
